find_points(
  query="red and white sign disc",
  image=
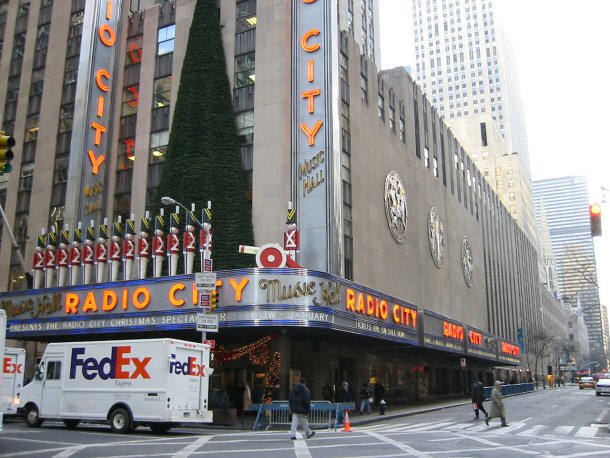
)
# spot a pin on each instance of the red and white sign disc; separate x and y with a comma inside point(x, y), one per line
point(271, 255)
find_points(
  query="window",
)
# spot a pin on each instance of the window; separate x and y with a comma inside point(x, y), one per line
point(165, 40)
point(162, 92)
point(131, 99)
point(54, 370)
point(245, 69)
point(158, 146)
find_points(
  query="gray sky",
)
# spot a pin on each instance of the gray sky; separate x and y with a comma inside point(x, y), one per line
point(561, 52)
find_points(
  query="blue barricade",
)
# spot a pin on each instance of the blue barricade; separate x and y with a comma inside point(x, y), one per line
point(511, 390)
point(321, 413)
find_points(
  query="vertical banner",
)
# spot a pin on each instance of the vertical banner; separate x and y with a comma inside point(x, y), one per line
point(315, 164)
point(91, 147)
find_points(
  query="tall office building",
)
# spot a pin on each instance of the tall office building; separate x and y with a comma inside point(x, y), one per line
point(464, 65)
point(565, 203)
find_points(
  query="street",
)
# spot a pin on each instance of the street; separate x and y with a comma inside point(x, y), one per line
point(559, 422)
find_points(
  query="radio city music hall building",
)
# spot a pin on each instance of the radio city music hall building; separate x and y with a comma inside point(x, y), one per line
point(413, 271)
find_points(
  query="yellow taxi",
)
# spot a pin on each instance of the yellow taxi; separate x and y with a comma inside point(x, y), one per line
point(586, 382)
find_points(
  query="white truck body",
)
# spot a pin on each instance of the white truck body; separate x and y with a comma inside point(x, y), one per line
point(12, 379)
point(156, 382)
point(2, 341)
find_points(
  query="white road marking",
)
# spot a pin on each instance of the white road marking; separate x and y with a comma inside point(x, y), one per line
point(563, 430)
point(586, 431)
point(300, 447)
point(399, 445)
point(192, 447)
point(533, 431)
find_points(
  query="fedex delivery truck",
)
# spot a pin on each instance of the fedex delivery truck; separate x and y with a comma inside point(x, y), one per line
point(12, 379)
point(126, 383)
point(2, 340)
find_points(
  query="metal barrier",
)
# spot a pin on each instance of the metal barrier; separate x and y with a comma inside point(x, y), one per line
point(321, 413)
point(511, 390)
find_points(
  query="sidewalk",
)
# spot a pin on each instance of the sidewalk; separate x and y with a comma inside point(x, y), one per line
point(398, 411)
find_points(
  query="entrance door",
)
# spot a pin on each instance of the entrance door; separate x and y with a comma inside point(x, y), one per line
point(50, 403)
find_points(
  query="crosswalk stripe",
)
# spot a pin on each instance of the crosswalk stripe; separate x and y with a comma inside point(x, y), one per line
point(531, 431)
point(431, 427)
point(586, 431)
point(510, 429)
point(563, 429)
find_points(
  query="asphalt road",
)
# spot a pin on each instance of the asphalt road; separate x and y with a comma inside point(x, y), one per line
point(560, 422)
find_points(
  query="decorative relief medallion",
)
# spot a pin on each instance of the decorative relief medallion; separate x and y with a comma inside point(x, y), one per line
point(467, 266)
point(436, 237)
point(395, 206)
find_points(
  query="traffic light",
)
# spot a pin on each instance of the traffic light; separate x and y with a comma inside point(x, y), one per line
point(213, 299)
point(6, 143)
point(595, 215)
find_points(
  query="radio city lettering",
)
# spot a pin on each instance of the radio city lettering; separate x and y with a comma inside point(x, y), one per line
point(309, 170)
point(453, 331)
point(103, 78)
point(189, 367)
point(475, 338)
point(374, 307)
point(10, 366)
point(510, 349)
point(116, 366)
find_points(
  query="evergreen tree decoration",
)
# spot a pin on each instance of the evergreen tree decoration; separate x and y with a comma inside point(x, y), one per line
point(203, 161)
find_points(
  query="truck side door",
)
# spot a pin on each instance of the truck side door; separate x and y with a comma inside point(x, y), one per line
point(50, 402)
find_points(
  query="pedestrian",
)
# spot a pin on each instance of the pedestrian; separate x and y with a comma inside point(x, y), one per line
point(247, 397)
point(378, 391)
point(345, 395)
point(478, 396)
point(365, 398)
point(328, 392)
point(497, 405)
point(299, 401)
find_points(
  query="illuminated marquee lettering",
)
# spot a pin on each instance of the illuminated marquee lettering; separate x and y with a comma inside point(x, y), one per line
point(511, 349)
point(453, 331)
point(475, 338)
point(369, 305)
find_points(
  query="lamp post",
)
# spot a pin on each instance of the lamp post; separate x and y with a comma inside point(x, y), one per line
point(205, 239)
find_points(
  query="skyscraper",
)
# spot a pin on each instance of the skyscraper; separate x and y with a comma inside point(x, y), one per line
point(565, 202)
point(464, 65)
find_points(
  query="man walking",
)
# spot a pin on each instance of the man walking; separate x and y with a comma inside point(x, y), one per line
point(299, 401)
point(478, 396)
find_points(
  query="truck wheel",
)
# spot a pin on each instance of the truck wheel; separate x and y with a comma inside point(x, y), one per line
point(32, 417)
point(160, 428)
point(120, 421)
point(71, 424)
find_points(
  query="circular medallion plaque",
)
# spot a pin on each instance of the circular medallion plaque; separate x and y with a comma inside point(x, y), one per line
point(395, 206)
point(436, 237)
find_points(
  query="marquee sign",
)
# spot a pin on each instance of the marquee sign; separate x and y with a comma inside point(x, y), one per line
point(247, 298)
point(442, 333)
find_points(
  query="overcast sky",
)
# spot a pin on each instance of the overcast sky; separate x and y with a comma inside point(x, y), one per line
point(561, 53)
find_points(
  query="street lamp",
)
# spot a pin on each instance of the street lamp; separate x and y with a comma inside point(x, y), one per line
point(166, 200)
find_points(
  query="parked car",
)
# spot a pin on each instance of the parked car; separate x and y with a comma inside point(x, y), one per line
point(602, 386)
point(586, 382)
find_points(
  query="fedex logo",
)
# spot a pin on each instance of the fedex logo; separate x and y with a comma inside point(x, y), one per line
point(11, 367)
point(190, 367)
point(116, 366)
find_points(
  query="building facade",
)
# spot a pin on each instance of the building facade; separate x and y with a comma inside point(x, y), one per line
point(465, 66)
point(565, 203)
point(391, 209)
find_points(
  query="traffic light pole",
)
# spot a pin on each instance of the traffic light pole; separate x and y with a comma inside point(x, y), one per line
point(16, 247)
